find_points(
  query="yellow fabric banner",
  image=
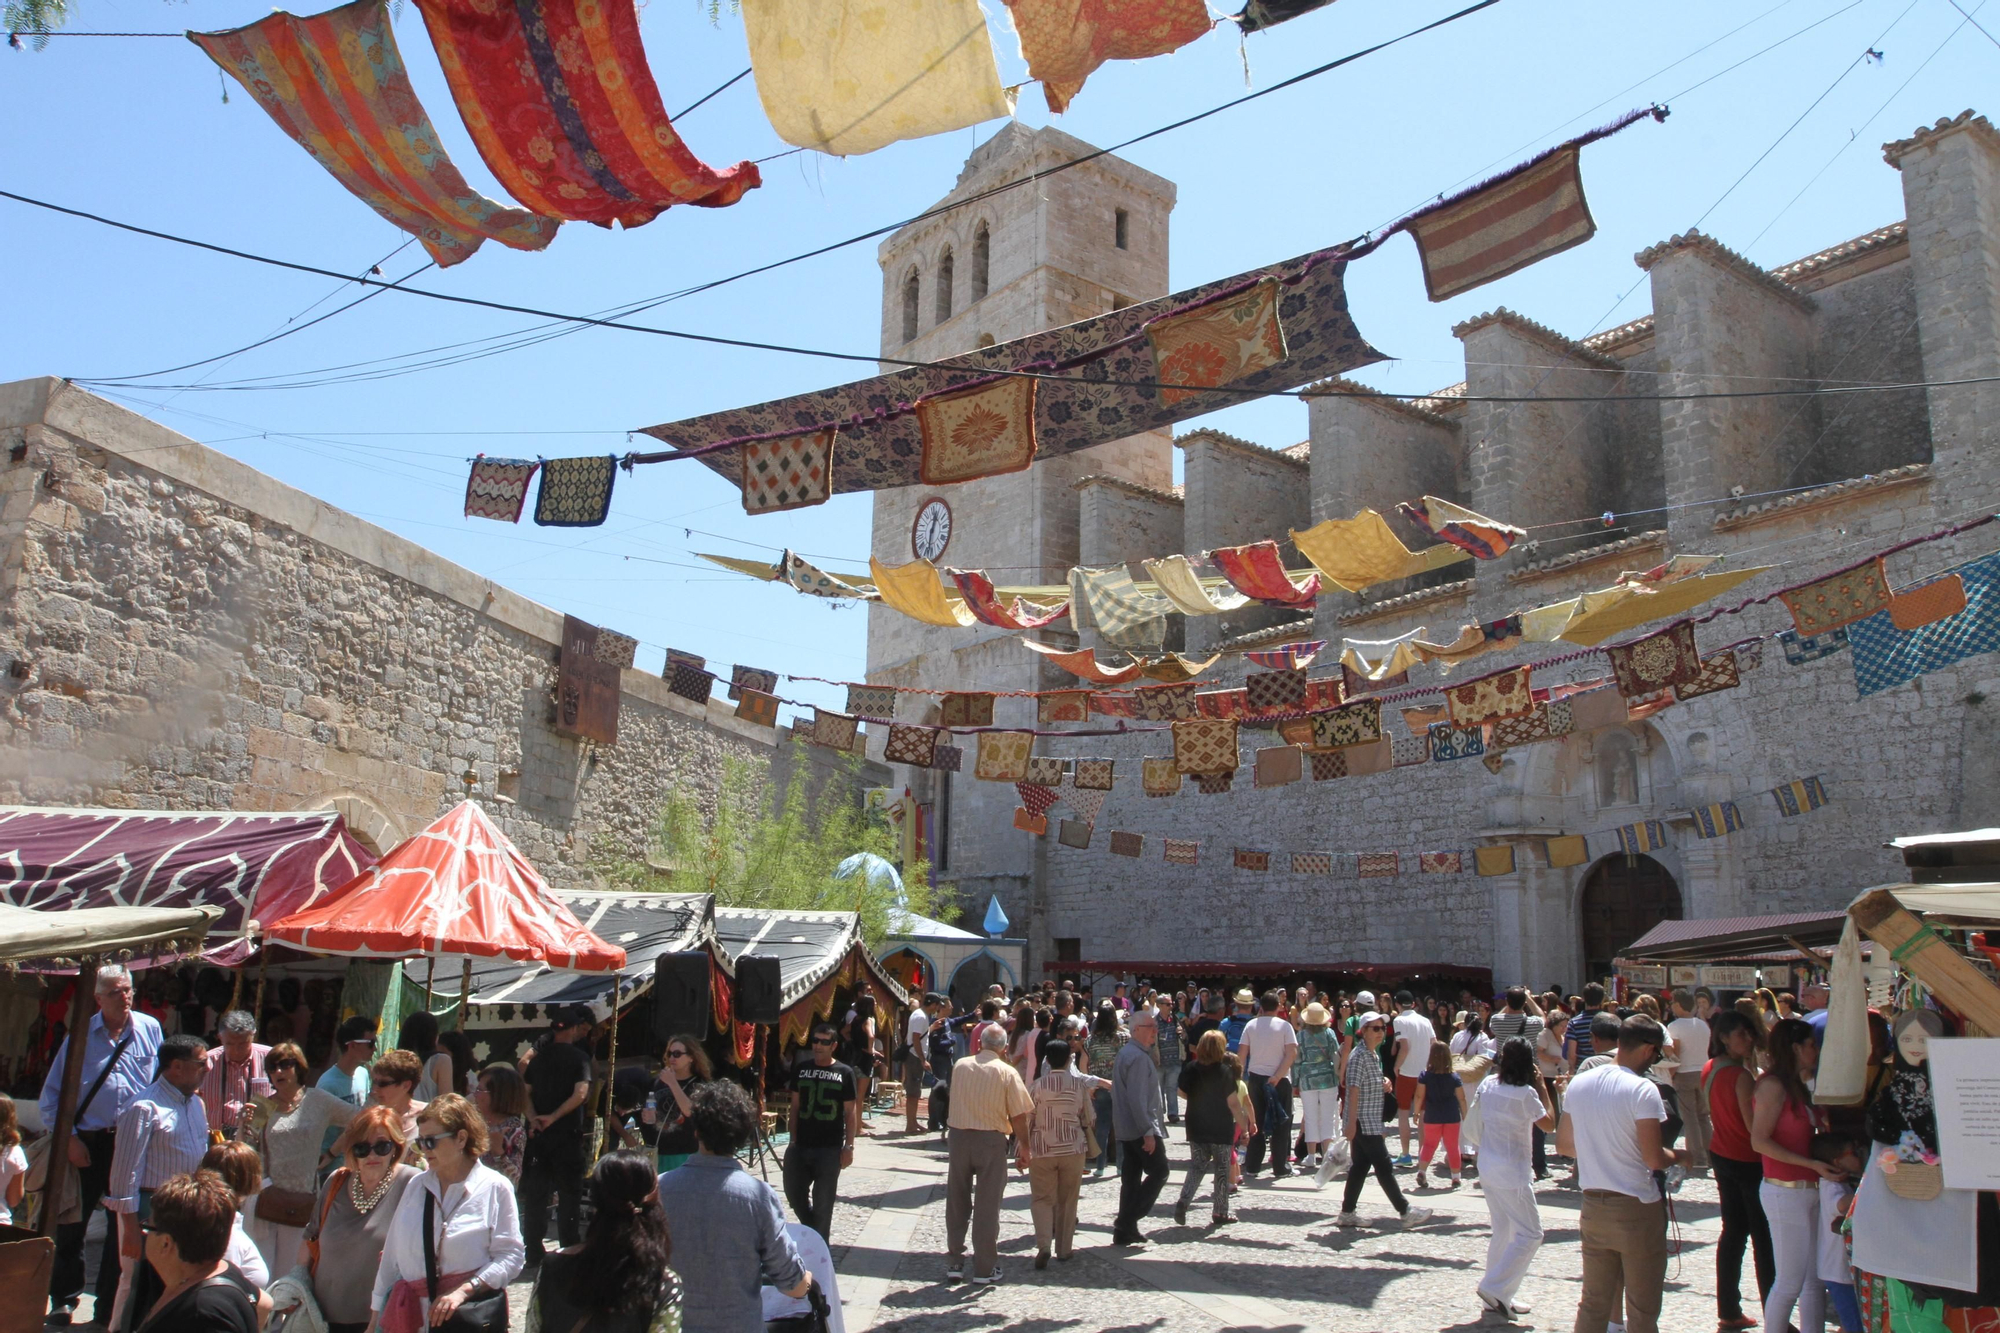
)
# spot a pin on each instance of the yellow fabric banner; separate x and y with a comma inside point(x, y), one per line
point(1179, 584)
point(1592, 626)
point(1359, 551)
point(851, 76)
point(916, 591)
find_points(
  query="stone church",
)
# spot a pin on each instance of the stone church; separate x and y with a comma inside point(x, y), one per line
point(1804, 484)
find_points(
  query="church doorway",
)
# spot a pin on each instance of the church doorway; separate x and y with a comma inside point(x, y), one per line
point(1623, 898)
point(971, 980)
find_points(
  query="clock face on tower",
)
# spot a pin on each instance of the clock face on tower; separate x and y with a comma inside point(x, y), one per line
point(932, 531)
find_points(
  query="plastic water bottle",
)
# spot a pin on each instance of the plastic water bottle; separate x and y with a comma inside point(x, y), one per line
point(652, 1114)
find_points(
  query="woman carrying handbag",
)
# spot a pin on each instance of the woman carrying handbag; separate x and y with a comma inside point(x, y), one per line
point(455, 1241)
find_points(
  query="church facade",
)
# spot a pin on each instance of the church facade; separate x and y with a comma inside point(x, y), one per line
point(1802, 483)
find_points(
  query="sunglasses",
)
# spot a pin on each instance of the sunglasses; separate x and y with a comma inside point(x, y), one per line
point(379, 1148)
point(678, 1055)
point(823, 1041)
point(388, 1082)
point(429, 1142)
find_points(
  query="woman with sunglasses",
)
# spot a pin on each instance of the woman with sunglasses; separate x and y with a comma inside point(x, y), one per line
point(664, 1123)
point(350, 1219)
point(474, 1227)
point(288, 1129)
point(395, 1076)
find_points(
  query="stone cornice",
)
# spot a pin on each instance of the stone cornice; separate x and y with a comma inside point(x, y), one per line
point(1130, 487)
point(1894, 152)
point(1285, 633)
point(1724, 258)
point(1208, 436)
point(1536, 332)
point(1339, 386)
point(1626, 334)
point(1563, 564)
point(1822, 497)
point(1409, 601)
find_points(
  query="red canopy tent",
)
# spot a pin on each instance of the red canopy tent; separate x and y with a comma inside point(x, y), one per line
point(459, 888)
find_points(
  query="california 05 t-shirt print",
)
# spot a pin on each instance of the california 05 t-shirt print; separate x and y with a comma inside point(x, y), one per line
point(824, 1092)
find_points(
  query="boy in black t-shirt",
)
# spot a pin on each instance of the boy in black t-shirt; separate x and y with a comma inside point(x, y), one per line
point(825, 1118)
point(558, 1079)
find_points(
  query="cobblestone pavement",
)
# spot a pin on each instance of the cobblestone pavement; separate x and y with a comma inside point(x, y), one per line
point(1282, 1266)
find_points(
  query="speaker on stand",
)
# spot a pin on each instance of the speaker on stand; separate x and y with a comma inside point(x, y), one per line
point(760, 1002)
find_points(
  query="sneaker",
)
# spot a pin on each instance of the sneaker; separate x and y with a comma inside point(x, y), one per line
point(1180, 1212)
point(1348, 1220)
point(1416, 1217)
point(954, 1272)
point(1405, 1162)
point(992, 1279)
point(1222, 1221)
point(1456, 1182)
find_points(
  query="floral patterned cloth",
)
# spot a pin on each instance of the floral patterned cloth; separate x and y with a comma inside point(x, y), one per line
point(1502, 694)
point(1159, 777)
point(1003, 755)
point(576, 492)
point(1657, 661)
point(1839, 599)
point(1064, 40)
point(1166, 703)
point(1217, 343)
point(1062, 706)
point(985, 431)
point(881, 444)
point(1046, 770)
point(743, 678)
point(966, 710)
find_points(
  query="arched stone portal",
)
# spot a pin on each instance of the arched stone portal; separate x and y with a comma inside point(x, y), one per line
point(1623, 898)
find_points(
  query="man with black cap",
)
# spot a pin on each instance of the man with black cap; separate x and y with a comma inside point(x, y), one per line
point(558, 1079)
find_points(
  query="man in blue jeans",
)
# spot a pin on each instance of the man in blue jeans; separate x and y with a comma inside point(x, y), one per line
point(1139, 1122)
point(1268, 1047)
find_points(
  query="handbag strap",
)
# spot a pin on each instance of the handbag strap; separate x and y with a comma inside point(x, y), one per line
point(117, 1054)
point(430, 1246)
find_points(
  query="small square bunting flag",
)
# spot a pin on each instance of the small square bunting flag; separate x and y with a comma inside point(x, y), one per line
point(1441, 863)
point(788, 473)
point(1106, 703)
point(1003, 755)
point(1408, 750)
point(1494, 860)
point(876, 701)
point(691, 683)
point(1074, 833)
point(677, 658)
point(965, 710)
point(498, 487)
point(757, 708)
point(576, 492)
point(1796, 798)
point(1645, 836)
point(1357, 723)
point(1095, 774)
point(1718, 673)
point(1222, 704)
point(835, 731)
point(1800, 649)
point(1180, 851)
point(1274, 691)
point(1046, 770)
point(1838, 599)
point(1035, 799)
point(1656, 661)
point(1377, 865)
point(1312, 863)
point(1213, 784)
point(1248, 858)
point(1493, 761)
point(1029, 822)
point(1062, 706)
point(1205, 746)
point(948, 759)
point(1127, 844)
point(751, 678)
point(1278, 766)
point(1159, 777)
point(1167, 703)
point(1296, 731)
point(1328, 764)
point(1502, 694)
point(1714, 821)
point(978, 432)
point(615, 649)
point(912, 745)
point(1565, 852)
point(1450, 742)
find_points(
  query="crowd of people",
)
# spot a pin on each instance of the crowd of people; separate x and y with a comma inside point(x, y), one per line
point(406, 1188)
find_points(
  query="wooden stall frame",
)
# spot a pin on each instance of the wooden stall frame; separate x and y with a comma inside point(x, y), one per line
point(1924, 955)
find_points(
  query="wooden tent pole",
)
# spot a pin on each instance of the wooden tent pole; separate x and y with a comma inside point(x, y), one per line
point(464, 992)
point(263, 964)
point(610, 1076)
point(72, 1088)
point(1919, 950)
point(430, 975)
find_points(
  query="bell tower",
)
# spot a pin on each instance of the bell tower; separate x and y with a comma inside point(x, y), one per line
point(1070, 246)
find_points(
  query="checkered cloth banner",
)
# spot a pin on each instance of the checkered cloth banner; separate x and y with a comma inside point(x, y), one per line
point(1249, 858)
point(912, 745)
point(1885, 656)
point(1312, 863)
point(876, 701)
point(1800, 649)
point(757, 708)
point(1213, 784)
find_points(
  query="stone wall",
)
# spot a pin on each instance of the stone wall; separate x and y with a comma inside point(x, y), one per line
point(179, 631)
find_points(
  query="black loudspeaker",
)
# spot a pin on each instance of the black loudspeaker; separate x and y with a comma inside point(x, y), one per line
point(759, 993)
point(680, 994)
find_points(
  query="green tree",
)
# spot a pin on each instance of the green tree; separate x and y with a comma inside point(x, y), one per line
point(776, 848)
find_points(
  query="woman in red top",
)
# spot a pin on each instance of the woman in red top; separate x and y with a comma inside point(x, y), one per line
point(1782, 1122)
point(1725, 1083)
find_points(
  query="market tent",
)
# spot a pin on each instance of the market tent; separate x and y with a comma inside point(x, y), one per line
point(460, 889)
point(101, 934)
point(1738, 937)
point(254, 866)
point(818, 954)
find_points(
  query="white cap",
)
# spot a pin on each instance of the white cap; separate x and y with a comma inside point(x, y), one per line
point(1368, 1017)
point(1366, 999)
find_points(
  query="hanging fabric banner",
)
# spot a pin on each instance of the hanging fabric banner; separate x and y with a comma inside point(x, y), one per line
point(984, 603)
point(1441, 863)
point(1377, 865)
point(1885, 656)
point(851, 76)
point(1064, 40)
point(965, 710)
point(1502, 694)
point(1595, 617)
point(1174, 668)
point(874, 701)
point(561, 101)
point(1180, 851)
point(1718, 673)
point(1656, 661)
point(916, 746)
point(1084, 663)
point(1714, 821)
point(335, 82)
point(1838, 599)
point(1645, 836)
point(1127, 844)
point(576, 492)
point(1125, 616)
point(751, 678)
point(1217, 343)
point(1250, 858)
point(1360, 552)
point(914, 589)
point(1174, 576)
point(1167, 703)
point(498, 487)
point(1378, 660)
point(1046, 770)
point(1205, 746)
point(1291, 656)
point(1003, 755)
point(812, 580)
point(1914, 608)
point(985, 431)
point(881, 442)
point(1485, 538)
point(1494, 860)
point(1257, 571)
point(1565, 852)
point(792, 473)
point(1062, 706)
point(1159, 777)
point(1797, 798)
point(1799, 651)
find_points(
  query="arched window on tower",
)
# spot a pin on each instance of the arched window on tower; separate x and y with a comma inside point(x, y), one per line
point(982, 259)
point(912, 296)
point(944, 276)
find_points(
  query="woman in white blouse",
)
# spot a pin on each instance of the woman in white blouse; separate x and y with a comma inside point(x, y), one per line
point(475, 1225)
point(291, 1128)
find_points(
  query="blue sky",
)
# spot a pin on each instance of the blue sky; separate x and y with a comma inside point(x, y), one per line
point(137, 129)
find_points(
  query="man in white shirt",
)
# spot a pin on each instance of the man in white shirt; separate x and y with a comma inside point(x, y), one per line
point(914, 1062)
point(1268, 1047)
point(1412, 1055)
point(1690, 1038)
point(1611, 1126)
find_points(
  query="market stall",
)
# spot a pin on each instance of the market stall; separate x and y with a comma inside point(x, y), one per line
point(1730, 956)
point(820, 956)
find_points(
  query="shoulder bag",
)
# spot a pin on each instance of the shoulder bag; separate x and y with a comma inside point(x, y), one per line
point(335, 1183)
point(479, 1314)
point(70, 1207)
